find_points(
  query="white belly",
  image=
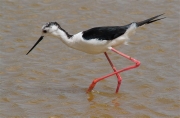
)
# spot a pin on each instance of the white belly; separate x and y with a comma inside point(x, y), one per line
point(92, 46)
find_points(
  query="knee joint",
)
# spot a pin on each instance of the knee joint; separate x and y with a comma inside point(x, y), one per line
point(138, 63)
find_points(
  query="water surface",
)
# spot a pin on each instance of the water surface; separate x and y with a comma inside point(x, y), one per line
point(52, 80)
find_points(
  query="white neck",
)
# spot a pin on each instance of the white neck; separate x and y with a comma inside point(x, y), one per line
point(63, 35)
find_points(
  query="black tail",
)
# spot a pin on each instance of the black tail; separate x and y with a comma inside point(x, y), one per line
point(150, 20)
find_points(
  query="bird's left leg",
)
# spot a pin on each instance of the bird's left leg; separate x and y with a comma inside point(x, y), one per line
point(117, 74)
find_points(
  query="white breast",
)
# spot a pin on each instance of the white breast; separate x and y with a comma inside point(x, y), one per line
point(93, 46)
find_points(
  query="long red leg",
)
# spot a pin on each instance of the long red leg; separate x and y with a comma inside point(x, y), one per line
point(137, 63)
point(117, 74)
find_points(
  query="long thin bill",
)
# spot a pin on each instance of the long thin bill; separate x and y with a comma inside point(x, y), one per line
point(35, 44)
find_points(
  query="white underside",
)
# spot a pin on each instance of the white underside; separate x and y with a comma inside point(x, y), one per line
point(95, 46)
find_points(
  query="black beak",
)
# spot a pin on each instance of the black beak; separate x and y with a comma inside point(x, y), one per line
point(35, 44)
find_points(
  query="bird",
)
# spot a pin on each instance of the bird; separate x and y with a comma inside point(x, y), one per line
point(98, 40)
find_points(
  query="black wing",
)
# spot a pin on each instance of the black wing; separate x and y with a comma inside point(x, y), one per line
point(105, 33)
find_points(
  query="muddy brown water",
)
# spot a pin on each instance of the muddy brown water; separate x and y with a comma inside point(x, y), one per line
point(52, 80)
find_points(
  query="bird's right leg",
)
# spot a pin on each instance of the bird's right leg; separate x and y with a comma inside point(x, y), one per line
point(114, 68)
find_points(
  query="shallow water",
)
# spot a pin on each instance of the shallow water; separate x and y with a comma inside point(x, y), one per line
point(52, 80)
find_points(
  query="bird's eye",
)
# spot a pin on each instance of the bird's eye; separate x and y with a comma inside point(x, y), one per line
point(44, 31)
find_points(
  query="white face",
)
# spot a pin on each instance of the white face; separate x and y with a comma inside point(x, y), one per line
point(50, 27)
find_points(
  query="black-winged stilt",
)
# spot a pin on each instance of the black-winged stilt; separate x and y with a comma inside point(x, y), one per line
point(98, 40)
